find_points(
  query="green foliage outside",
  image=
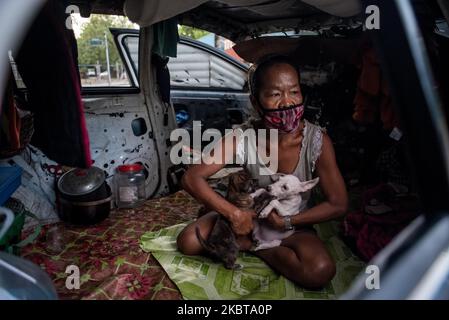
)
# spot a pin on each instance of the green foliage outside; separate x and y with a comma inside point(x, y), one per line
point(191, 32)
point(95, 29)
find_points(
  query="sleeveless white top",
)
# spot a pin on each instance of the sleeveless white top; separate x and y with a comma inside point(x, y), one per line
point(309, 154)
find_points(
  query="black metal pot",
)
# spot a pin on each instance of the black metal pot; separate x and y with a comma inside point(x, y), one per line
point(83, 196)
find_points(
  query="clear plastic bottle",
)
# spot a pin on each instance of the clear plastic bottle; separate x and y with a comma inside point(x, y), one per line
point(129, 186)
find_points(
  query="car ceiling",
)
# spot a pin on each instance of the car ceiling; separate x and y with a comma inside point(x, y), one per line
point(237, 19)
point(237, 22)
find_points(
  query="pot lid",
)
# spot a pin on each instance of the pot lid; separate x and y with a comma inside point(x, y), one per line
point(77, 182)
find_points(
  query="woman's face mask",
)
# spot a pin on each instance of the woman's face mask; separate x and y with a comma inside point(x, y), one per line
point(285, 119)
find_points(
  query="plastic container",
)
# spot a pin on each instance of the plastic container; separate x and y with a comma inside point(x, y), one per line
point(20, 279)
point(10, 179)
point(129, 186)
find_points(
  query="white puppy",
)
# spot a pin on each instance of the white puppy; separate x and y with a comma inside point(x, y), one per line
point(287, 189)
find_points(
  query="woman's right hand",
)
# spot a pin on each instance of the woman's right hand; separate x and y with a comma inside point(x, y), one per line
point(242, 221)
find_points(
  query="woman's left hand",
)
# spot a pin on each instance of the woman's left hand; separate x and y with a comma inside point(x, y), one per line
point(275, 220)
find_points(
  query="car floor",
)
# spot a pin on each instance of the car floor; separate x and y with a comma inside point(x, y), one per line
point(113, 265)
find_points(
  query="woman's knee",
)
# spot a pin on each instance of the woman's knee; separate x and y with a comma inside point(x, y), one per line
point(187, 242)
point(320, 272)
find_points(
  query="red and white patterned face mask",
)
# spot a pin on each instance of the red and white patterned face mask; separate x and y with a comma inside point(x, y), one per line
point(284, 119)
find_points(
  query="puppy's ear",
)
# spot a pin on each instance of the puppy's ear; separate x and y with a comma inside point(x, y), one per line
point(305, 186)
point(232, 183)
point(254, 185)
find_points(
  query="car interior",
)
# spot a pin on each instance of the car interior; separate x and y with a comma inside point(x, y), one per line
point(68, 128)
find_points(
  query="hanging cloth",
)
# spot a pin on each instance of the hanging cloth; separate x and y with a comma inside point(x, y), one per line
point(47, 62)
point(166, 38)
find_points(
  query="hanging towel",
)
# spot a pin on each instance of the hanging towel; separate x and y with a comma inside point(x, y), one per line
point(9, 120)
point(166, 38)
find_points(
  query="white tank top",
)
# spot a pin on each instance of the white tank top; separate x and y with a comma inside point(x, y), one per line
point(309, 154)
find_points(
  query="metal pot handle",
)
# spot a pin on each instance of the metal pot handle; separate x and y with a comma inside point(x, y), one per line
point(8, 221)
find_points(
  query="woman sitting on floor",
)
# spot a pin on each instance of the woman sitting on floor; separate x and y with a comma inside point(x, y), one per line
point(303, 150)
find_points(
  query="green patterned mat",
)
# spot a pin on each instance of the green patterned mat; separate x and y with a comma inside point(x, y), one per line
point(198, 277)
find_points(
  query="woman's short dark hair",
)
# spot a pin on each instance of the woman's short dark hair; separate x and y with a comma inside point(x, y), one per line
point(257, 70)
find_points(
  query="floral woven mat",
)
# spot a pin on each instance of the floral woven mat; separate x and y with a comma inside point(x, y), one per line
point(110, 261)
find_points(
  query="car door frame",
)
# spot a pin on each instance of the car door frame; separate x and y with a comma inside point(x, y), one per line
point(239, 98)
point(415, 265)
point(114, 106)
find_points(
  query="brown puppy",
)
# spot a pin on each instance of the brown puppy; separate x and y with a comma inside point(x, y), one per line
point(221, 243)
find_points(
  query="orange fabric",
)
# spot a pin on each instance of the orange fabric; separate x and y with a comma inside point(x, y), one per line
point(370, 78)
point(387, 114)
point(372, 100)
point(366, 111)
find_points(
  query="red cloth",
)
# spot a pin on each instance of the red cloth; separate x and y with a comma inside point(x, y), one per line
point(10, 119)
point(371, 233)
point(47, 62)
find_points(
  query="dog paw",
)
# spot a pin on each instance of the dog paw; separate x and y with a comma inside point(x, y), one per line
point(257, 193)
point(265, 212)
point(268, 245)
point(237, 267)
